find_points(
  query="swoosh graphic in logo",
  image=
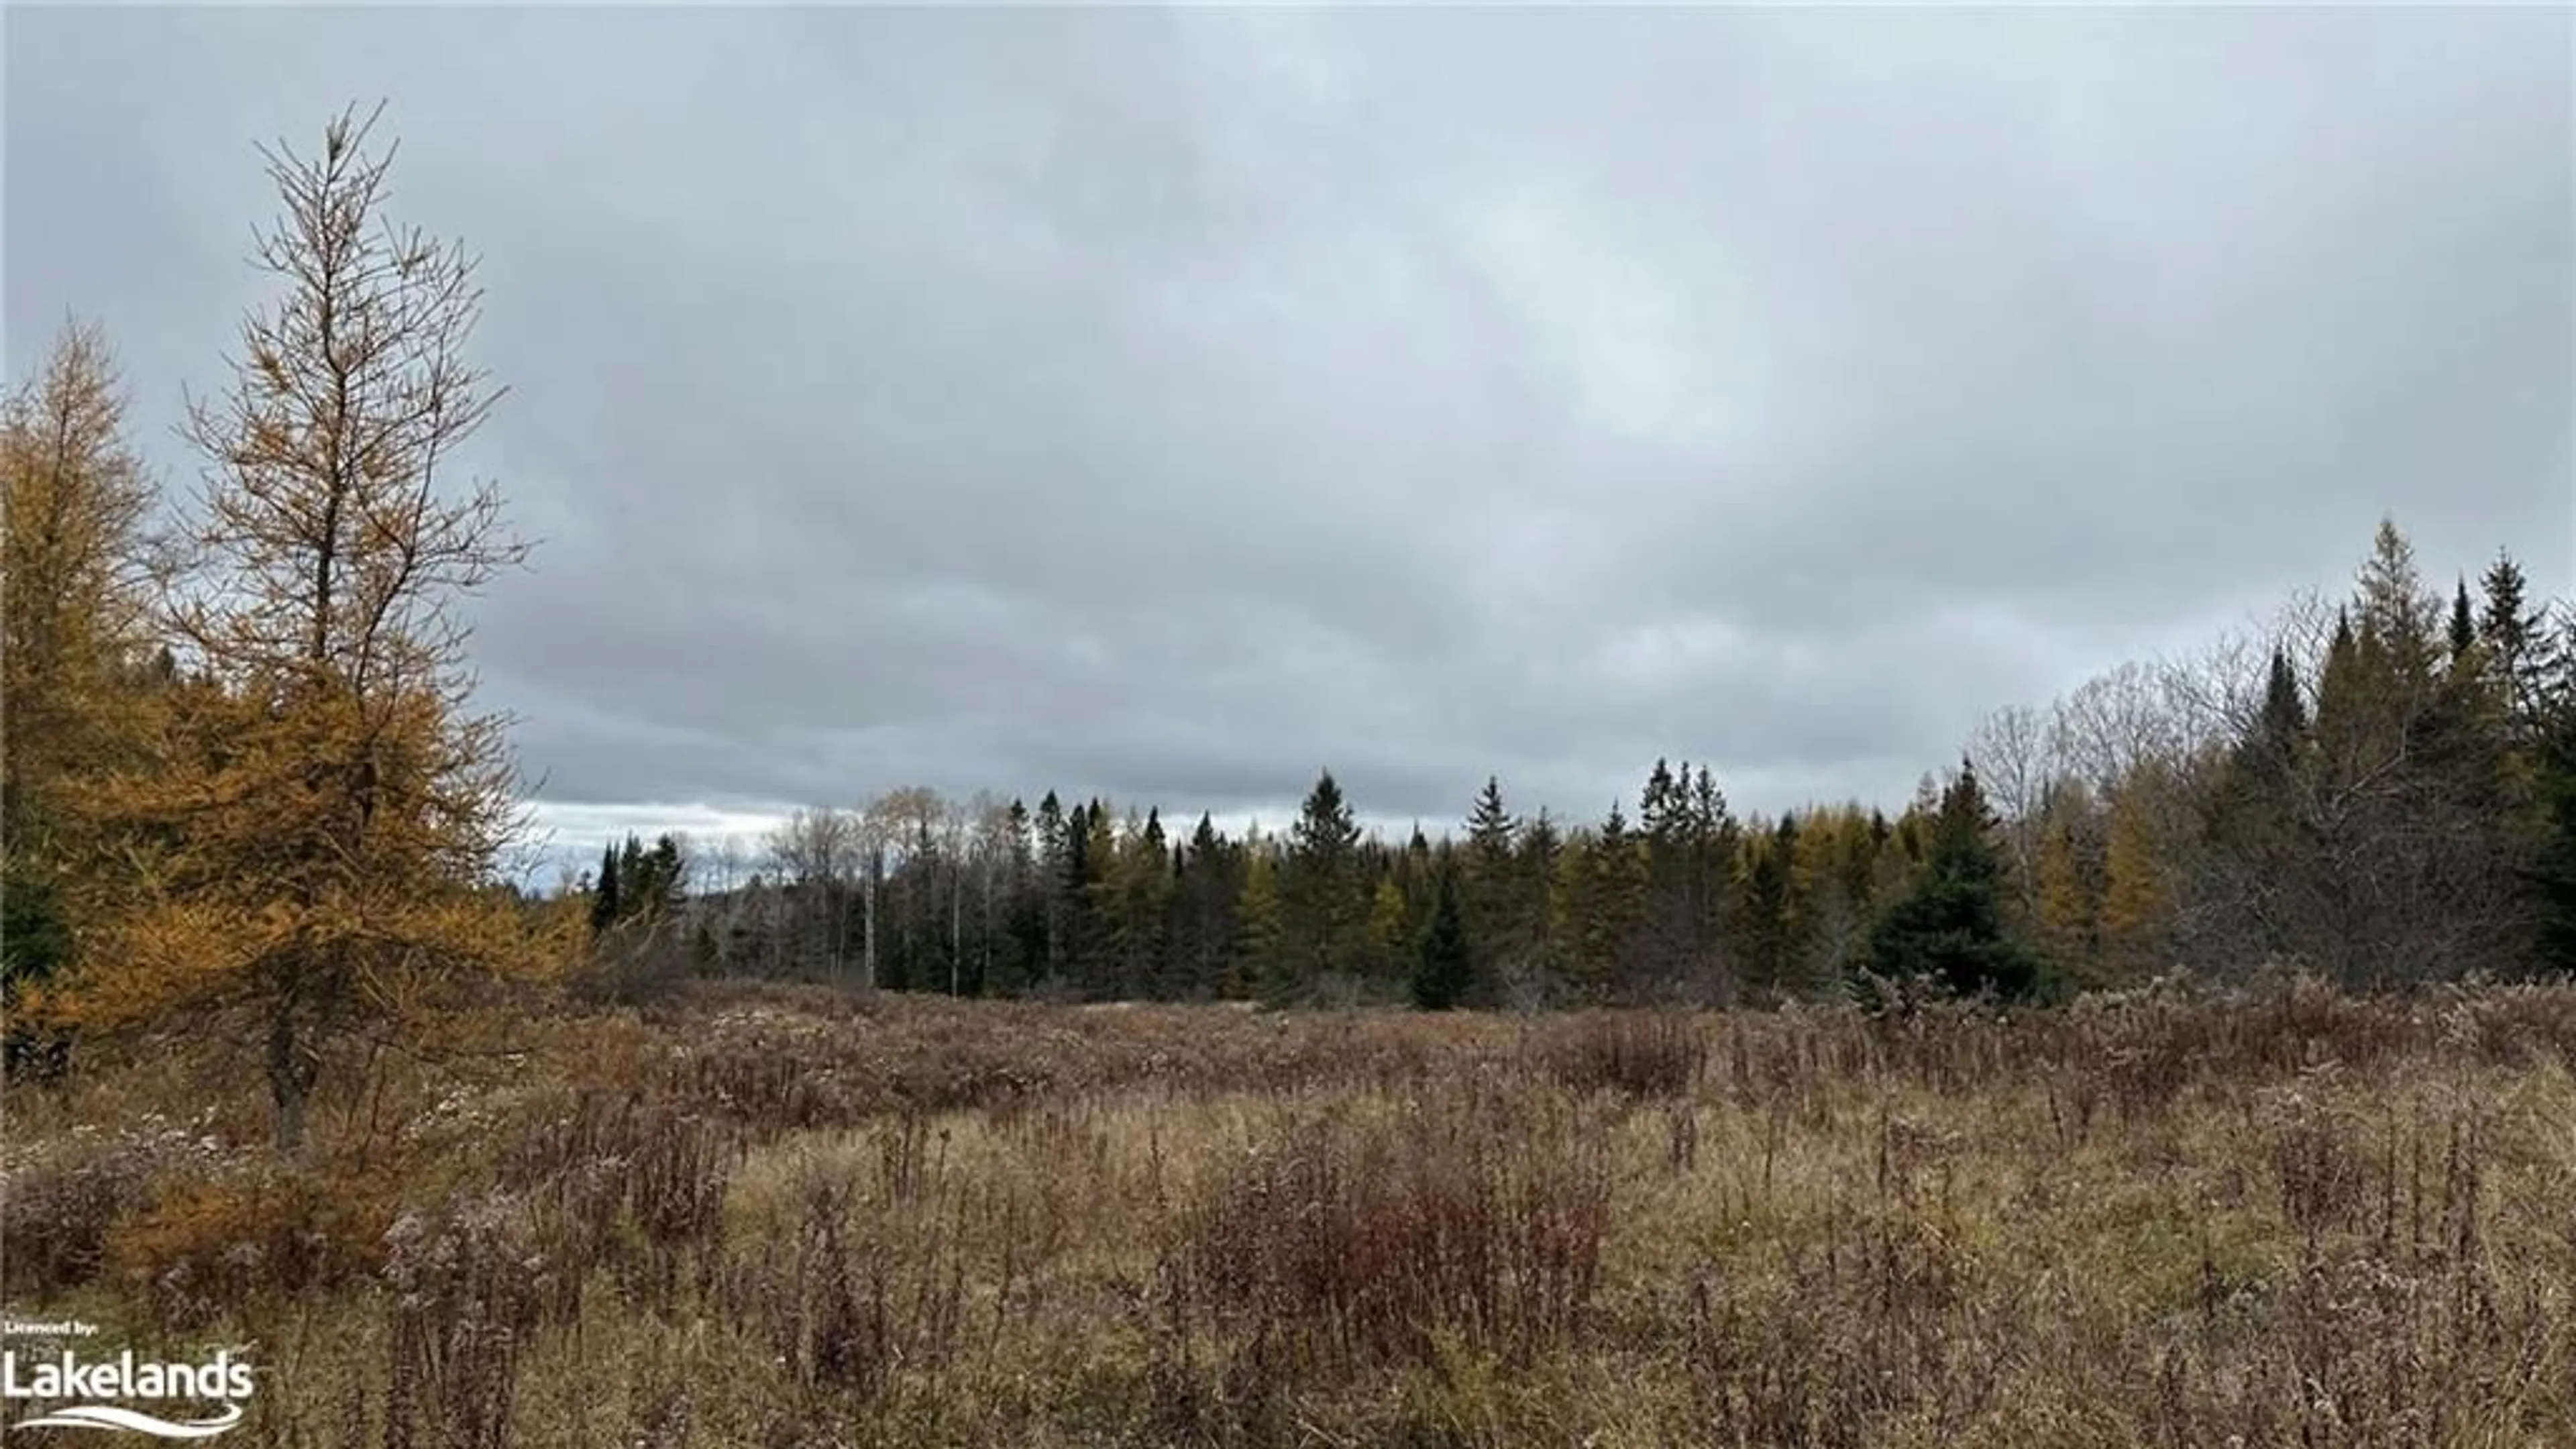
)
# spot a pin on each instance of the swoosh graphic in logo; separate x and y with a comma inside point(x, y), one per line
point(107, 1416)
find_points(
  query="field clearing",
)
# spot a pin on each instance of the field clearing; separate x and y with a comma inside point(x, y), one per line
point(785, 1217)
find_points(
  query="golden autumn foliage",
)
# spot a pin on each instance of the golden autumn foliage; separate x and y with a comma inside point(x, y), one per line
point(75, 569)
point(2136, 899)
point(1831, 889)
point(2069, 915)
point(207, 1247)
point(73, 575)
point(1390, 924)
point(316, 842)
point(312, 846)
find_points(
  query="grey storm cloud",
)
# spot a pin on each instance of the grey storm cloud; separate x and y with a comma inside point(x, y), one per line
point(1167, 404)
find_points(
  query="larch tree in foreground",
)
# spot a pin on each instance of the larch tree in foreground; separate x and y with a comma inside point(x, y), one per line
point(328, 814)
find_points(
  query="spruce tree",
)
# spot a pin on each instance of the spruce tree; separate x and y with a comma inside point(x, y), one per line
point(2516, 640)
point(604, 903)
point(1491, 829)
point(1054, 846)
point(1090, 851)
point(2464, 624)
point(1444, 970)
point(662, 881)
point(2550, 875)
point(1671, 831)
point(633, 882)
point(1144, 909)
point(1950, 927)
point(1204, 928)
point(2265, 762)
point(35, 936)
point(1496, 896)
point(2344, 702)
point(1414, 870)
point(1021, 958)
point(1324, 909)
point(1542, 852)
point(1714, 835)
point(1611, 904)
point(1761, 921)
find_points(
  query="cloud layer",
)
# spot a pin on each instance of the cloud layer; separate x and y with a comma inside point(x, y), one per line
point(1165, 405)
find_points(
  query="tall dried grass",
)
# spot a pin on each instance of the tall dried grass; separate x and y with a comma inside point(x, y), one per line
point(2276, 1215)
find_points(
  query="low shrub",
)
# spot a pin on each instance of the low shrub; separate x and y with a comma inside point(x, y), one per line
point(208, 1247)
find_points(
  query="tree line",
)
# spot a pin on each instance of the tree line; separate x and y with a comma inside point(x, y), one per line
point(2380, 788)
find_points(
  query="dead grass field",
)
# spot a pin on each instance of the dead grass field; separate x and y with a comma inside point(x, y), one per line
point(763, 1217)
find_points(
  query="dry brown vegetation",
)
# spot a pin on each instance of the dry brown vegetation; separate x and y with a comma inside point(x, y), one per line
point(768, 1217)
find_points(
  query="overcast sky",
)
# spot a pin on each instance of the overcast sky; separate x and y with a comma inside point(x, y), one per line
point(1168, 405)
